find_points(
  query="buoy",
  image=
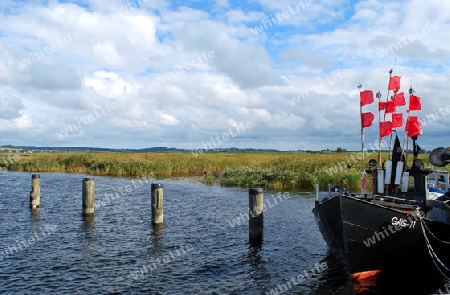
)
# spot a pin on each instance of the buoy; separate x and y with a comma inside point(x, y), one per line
point(398, 172)
point(363, 178)
point(380, 180)
point(405, 181)
point(388, 174)
point(364, 274)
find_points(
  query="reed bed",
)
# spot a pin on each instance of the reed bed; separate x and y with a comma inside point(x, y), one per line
point(251, 169)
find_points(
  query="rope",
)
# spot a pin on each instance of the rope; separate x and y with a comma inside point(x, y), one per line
point(430, 248)
point(445, 242)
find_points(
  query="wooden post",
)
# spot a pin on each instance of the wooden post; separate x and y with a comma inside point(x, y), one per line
point(35, 194)
point(88, 196)
point(157, 203)
point(158, 229)
point(256, 219)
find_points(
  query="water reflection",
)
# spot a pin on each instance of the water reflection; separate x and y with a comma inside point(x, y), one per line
point(156, 237)
point(254, 254)
point(35, 219)
point(89, 245)
point(88, 225)
point(333, 280)
point(199, 250)
point(256, 261)
point(336, 280)
point(158, 229)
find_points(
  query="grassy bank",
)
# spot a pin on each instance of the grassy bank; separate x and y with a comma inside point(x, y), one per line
point(267, 170)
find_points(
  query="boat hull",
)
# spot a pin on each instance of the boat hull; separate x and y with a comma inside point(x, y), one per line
point(369, 236)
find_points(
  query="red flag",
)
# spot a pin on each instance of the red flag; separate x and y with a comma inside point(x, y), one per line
point(389, 106)
point(413, 126)
point(394, 83)
point(397, 120)
point(399, 99)
point(414, 103)
point(385, 128)
point(367, 119)
point(366, 97)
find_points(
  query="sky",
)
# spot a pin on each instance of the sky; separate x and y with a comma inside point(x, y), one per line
point(217, 74)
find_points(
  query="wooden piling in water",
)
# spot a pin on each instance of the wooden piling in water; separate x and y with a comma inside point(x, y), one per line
point(256, 218)
point(35, 194)
point(157, 203)
point(88, 196)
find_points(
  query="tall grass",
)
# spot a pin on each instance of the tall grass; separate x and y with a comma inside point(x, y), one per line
point(267, 170)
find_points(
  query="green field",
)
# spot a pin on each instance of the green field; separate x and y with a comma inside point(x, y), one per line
point(294, 170)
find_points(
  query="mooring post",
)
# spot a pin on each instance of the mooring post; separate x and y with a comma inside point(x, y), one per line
point(157, 203)
point(35, 194)
point(88, 196)
point(256, 218)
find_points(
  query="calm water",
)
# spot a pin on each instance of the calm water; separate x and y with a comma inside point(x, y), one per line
point(202, 247)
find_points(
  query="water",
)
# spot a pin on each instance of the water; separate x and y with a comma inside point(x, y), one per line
point(198, 250)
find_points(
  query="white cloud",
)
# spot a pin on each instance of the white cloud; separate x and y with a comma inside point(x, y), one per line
point(151, 60)
point(166, 119)
point(302, 55)
point(10, 106)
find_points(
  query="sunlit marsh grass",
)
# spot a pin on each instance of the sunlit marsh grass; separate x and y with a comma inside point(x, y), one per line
point(250, 169)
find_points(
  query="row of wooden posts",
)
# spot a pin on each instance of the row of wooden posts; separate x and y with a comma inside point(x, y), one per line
point(255, 203)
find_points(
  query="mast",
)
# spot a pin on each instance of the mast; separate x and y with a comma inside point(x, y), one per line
point(388, 163)
point(405, 141)
point(362, 131)
point(365, 98)
point(387, 100)
point(378, 95)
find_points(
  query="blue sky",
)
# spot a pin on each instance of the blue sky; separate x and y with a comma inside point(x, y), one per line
point(186, 74)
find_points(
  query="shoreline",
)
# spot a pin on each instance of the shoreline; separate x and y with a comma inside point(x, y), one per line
point(294, 170)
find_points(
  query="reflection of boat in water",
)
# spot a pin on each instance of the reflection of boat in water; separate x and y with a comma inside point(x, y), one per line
point(401, 227)
point(335, 280)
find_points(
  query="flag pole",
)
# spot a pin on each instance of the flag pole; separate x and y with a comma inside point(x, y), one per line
point(405, 139)
point(378, 95)
point(411, 91)
point(362, 129)
point(388, 163)
point(387, 100)
point(390, 144)
point(363, 174)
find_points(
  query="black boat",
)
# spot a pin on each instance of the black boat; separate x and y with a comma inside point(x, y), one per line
point(385, 232)
point(397, 228)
